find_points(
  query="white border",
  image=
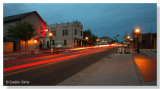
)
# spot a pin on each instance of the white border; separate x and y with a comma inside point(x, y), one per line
point(77, 1)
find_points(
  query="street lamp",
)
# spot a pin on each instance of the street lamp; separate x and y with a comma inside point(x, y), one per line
point(51, 35)
point(97, 40)
point(137, 31)
point(128, 37)
point(117, 40)
point(86, 38)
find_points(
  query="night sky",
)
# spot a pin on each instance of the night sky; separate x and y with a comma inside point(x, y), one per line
point(103, 19)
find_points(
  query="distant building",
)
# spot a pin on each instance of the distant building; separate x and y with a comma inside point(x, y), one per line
point(104, 40)
point(66, 35)
point(145, 41)
point(31, 17)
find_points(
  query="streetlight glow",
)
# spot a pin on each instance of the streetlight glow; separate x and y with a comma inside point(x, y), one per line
point(35, 41)
point(50, 34)
point(86, 38)
point(97, 40)
point(137, 30)
point(128, 37)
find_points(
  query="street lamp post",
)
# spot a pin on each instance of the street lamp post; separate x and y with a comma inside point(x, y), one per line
point(117, 40)
point(86, 39)
point(51, 35)
point(137, 32)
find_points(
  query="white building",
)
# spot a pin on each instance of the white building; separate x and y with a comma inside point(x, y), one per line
point(66, 35)
point(104, 40)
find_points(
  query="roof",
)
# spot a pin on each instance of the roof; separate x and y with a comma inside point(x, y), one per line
point(19, 16)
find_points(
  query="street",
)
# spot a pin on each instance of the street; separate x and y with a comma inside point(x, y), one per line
point(52, 69)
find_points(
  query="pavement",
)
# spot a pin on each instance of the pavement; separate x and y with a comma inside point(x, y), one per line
point(117, 70)
point(147, 66)
point(112, 70)
point(150, 53)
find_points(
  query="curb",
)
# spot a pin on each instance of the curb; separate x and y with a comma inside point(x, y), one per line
point(141, 80)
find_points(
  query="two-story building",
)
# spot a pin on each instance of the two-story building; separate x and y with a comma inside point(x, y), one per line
point(66, 35)
point(32, 18)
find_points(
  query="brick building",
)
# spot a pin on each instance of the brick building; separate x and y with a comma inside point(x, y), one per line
point(148, 41)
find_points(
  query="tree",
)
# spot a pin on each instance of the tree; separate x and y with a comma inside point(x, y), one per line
point(87, 33)
point(91, 36)
point(24, 31)
point(93, 39)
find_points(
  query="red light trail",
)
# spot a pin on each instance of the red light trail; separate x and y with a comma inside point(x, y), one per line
point(48, 61)
point(13, 61)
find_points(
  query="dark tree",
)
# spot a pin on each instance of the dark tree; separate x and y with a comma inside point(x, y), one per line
point(23, 32)
point(91, 37)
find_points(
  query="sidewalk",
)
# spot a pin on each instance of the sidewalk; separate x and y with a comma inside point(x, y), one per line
point(113, 70)
point(147, 66)
point(150, 53)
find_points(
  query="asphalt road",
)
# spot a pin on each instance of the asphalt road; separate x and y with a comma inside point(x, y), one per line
point(52, 69)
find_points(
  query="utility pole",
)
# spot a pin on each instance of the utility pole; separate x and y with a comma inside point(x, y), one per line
point(151, 39)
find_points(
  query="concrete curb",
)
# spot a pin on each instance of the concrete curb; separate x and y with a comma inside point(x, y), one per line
point(141, 80)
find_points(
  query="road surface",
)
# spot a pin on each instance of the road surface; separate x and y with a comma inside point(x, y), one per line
point(51, 69)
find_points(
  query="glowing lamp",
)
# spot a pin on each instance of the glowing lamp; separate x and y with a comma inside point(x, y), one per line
point(97, 40)
point(50, 34)
point(86, 38)
point(46, 30)
point(137, 30)
point(128, 37)
point(35, 41)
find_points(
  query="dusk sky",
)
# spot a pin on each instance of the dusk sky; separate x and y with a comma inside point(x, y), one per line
point(103, 19)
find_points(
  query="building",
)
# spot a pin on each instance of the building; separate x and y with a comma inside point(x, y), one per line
point(65, 35)
point(31, 17)
point(104, 40)
point(148, 41)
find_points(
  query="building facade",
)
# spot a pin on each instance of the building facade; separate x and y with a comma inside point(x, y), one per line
point(65, 35)
point(104, 41)
point(32, 18)
point(148, 41)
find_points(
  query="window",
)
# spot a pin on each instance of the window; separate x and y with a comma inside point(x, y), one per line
point(52, 42)
point(54, 33)
point(143, 42)
point(41, 30)
point(65, 42)
point(65, 32)
point(75, 31)
point(47, 44)
point(81, 33)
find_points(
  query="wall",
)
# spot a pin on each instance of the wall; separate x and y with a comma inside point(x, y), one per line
point(7, 25)
point(7, 47)
point(36, 22)
point(59, 38)
point(146, 41)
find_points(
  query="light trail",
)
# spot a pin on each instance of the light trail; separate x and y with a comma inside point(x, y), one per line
point(20, 60)
point(46, 61)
